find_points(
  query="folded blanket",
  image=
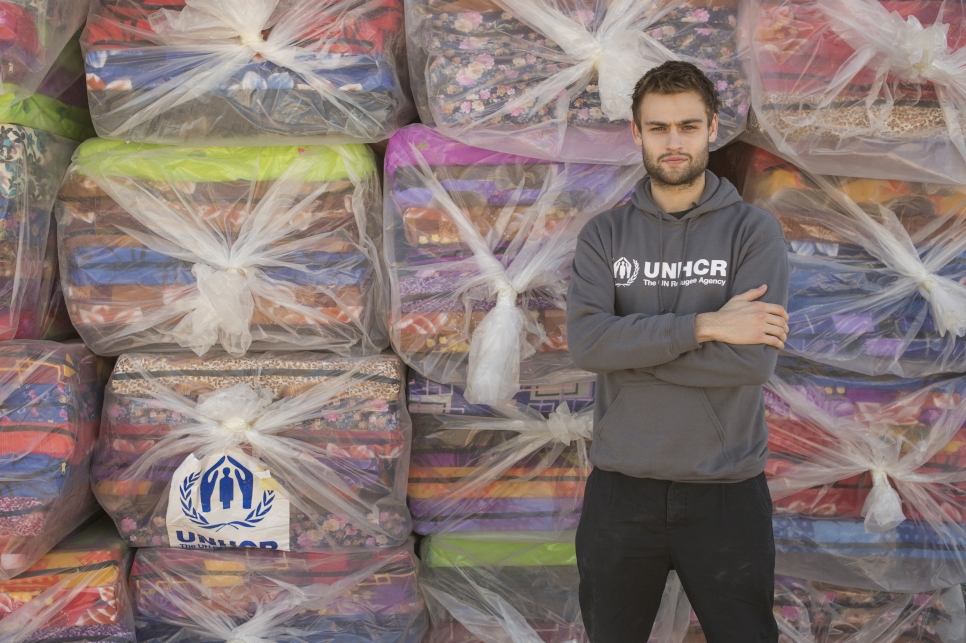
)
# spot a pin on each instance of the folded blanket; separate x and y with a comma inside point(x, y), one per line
point(426, 396)
point(76, 592)
point(530, 583)
point(327, 437)
point(521, 472)
point(810, 611)
point(467, 227)
point(839, 91)
point(863, 257)
point(199, 596)
point(554, 80)
point(52, 396)
point(244, 247)
point(319, 72)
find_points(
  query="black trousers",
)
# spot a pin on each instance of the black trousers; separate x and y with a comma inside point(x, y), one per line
point(716, 536)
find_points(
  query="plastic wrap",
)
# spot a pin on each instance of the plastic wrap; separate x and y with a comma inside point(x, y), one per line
point(519, 472)
point(76, 592)
point(327, 439)
point(33, 35)
point(426, 396)
point(243, 248)
point(553, 80)
point(861, 87)
point(249, 596)
point(868, 477)
point(247, 72)
point(519, 588)
point(50, 410)
point(479, 247)
point(876, 268)
point(812, 612)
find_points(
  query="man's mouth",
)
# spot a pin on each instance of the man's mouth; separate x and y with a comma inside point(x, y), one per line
point(675, 160)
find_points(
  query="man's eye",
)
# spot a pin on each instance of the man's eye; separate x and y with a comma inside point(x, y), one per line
point(656, 129)
point(690, 127)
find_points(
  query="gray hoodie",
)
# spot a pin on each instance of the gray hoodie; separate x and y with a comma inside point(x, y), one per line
point(668, 407)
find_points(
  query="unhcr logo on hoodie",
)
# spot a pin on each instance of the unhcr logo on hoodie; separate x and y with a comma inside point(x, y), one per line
point(701, 271)
point(624, 275)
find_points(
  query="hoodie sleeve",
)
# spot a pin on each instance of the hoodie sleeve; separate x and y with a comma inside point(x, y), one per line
point(601, 341)
point(717, 364)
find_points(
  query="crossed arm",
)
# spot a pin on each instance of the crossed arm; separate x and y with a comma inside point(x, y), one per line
point(734, 346)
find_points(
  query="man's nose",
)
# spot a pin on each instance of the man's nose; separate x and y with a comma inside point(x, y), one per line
point(674, 141)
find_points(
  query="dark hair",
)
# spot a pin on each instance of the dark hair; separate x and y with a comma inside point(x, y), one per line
point(675, 77)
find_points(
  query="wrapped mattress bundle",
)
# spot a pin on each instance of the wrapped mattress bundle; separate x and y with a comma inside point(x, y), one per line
point(861, 87)
point(868, 477)
point(553, 80)
point(77, 592)
point(501, 587)
point(876, 268)
point(814, 612)
point(33, 37)
point(185, 439)
point(518, 472)
point(189, 596)
point(247, 72)
point(50, 411)
point(427, 396)
point(249, 248)
point(479, 247)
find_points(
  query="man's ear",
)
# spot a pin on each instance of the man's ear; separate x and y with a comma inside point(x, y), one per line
point(636, 131)
point(713, 129)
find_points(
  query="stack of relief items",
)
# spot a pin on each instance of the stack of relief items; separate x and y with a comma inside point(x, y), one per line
point(522, 587)
point(50, 397)
point(193, 596)
point(239, 247)
point(868, 477)
point(861, 87)
point(813, 612)
point(76, 592)
point(479, 246)
point(247, 72)
point(185, 439)
point(876, 268)
point(554, 80)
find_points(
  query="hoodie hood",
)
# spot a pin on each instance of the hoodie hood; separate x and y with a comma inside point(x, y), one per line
point(718, 193)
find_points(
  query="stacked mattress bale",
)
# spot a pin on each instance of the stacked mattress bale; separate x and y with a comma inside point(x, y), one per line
point(51, 396)
point(249, 72)
point(861, 87)
point(554, 80)
point(76, 592)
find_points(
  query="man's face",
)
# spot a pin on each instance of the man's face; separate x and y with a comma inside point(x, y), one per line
point(675, 137)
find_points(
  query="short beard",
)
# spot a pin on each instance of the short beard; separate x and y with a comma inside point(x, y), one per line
point(694, 169)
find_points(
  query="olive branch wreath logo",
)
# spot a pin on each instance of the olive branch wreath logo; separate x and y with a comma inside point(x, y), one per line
point(254, 517)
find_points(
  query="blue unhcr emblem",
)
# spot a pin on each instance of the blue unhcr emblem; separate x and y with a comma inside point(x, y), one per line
point(224, 475)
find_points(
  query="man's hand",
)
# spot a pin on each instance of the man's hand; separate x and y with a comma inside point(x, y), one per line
point(744, 321)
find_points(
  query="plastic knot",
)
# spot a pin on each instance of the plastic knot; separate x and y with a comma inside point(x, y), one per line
point(883, 507)
point(244, 638)
point(235, 271)
point(234, 409)
point(567, 427)
point(236, 425)
point(507, 295)
point(928, 283)
point(251, 39)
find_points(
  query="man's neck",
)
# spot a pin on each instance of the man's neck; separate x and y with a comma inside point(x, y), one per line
point(675, 198)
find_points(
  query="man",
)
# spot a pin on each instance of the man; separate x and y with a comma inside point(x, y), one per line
point(677, 303)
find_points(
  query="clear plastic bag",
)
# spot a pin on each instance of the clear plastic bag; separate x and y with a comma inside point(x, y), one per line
point(76, 592)
point(876, 268)
point(868, 477)
point(518, 472)
point(506, 588)
point(247, 72)
point(33, 35)
point(479, 247)
point(295, 451)
point(427, 396)
point(814, 612)
point(861, 87)
point(51, 398)
point(553, 80)
point(246, 248)
point(32, 164)
point(192, 596)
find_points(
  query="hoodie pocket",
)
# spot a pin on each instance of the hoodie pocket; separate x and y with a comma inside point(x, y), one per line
point(664, 431)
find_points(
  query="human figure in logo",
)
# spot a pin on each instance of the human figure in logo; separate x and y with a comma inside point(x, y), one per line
point(226, 486)
point(208, 485)
point(246, 482)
